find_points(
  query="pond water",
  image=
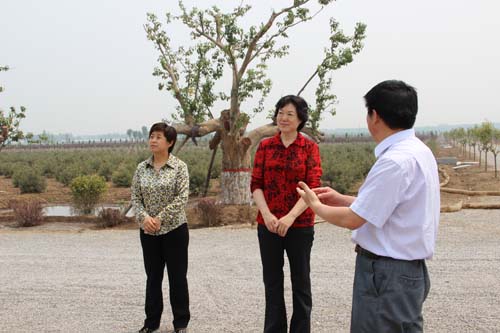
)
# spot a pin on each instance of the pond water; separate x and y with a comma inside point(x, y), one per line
point(66, 210)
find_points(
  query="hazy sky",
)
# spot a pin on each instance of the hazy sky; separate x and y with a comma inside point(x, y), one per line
point(85, 66)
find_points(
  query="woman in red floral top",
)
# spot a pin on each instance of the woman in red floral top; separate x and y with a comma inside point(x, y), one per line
point(285, 222)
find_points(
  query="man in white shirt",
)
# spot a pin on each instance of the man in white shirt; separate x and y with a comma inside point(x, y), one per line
point(395, 216)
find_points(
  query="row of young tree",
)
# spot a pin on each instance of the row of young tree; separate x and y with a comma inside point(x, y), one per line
point(483, 139)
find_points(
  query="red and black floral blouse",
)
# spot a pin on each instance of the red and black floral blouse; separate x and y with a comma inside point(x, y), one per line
point(277, 170)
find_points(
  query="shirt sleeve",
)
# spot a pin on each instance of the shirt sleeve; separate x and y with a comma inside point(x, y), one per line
point(258, 170)
point(381, 192)
point(314, 170)
point(137, 199)
point(171, 211)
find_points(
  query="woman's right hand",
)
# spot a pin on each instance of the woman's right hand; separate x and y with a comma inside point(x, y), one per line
point(271, 222)
point(150, 225)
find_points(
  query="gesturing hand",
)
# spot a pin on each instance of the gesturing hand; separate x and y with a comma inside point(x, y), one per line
point(308, 195)
point(328, 196)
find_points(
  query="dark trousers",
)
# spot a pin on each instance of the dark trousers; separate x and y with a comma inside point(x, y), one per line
point(297, 243)
point(388, 295)
point(170, 249)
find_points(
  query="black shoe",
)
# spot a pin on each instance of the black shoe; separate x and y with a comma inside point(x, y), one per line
point(148, 330)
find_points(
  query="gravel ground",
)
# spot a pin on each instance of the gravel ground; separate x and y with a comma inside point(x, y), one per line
point(65, 278)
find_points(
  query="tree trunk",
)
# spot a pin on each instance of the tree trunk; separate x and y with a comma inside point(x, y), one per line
point(209, 173)
point(236, 172)
point(485, 160)
point(495, 159)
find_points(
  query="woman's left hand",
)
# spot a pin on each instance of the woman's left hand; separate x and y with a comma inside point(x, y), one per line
point(157, 223)
point(284, 224)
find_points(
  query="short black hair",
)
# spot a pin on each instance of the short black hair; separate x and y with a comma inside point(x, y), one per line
point(395, 102)
point(168, 131)
point(300, 105)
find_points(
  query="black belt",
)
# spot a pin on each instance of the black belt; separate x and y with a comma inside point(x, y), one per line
point(366, 253)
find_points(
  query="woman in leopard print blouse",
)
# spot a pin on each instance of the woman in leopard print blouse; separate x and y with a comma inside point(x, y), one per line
point(160, 191)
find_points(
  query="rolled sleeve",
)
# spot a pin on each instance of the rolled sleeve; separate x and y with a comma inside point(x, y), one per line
point(314, 170)
point(258, 170)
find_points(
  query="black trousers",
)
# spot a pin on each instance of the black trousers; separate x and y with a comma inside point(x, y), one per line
point(170, 249)
point(297, 243)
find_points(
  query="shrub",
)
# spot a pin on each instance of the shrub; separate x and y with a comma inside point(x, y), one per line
point(67, 173)
point(9, 168)
point(197, 178)
point(209, 211)
point(433, 145)
point(122, 177)
point(29, 180)
point(47, 168)
point(27, 213)
point(4, 168)
point(345, 164)
point(106, 170)
point(110, 217)
point(87, 192)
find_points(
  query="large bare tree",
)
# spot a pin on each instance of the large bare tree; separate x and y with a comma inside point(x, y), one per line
point(190, 74)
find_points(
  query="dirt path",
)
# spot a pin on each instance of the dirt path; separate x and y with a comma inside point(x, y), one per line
point(77, 280)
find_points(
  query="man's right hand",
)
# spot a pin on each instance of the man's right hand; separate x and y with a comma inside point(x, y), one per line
point(329, 196)
point(271, 222)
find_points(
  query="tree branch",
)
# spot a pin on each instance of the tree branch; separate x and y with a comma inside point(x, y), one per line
point(268, 130)
point(281, 31)
point(178, 149)
point(171, 74)
point(209, 126)
point(251, 47)
point(308, 81)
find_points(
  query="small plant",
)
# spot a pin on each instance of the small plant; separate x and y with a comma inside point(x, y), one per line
point(209, 211)
point(110, 217)
point(433, 145)
point(29, 180)
point(122, 177)
point(27, 213)
point(106, 170)
point(197, 176)
point(67, 174)
point(87, 192)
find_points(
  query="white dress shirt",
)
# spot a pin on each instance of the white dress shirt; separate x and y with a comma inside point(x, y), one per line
point(399, 200)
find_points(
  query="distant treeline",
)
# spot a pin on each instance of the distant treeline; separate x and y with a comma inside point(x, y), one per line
point(130, 143)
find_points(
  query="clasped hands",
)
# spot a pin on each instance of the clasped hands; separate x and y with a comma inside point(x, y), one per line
point(312, 197)
point(278, 226)
point(151, 224)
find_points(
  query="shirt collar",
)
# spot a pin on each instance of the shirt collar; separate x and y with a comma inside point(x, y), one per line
point(300, 140)
point(170, 162)
point(392, 139)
